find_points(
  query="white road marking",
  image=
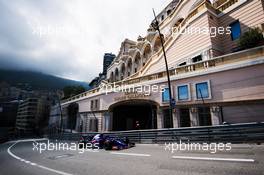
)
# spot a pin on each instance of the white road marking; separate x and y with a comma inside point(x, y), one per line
point(131, 154)
point(32, 163)
point(27, 140)
point(214, 158)
point(92, 151)
point(61, 156)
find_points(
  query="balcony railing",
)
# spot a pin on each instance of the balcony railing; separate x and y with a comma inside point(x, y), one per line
point(221, 5)
point(199, 66)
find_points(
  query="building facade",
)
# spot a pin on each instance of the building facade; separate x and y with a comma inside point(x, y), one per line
point(213, 79)
point(108, 59)
point(32, 116)
point(55, 116)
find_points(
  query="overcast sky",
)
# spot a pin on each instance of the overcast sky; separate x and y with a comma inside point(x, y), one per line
point(68, 38)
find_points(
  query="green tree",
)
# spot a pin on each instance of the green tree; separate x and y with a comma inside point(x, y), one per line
point(251, 38)
point(70, 91)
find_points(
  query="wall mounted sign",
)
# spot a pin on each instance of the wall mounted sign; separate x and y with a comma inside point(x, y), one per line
point(132, 95)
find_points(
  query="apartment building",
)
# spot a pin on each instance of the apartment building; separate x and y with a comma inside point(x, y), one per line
point(32, 115)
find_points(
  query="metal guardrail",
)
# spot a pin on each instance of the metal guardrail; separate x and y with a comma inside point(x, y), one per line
point(233, 133)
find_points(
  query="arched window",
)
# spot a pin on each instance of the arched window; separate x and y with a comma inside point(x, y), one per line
point(157, 44)
point(147, 51)
point(168, 12)
point(178, 22)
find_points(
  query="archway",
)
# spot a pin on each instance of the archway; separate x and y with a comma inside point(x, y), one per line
point(177, 25)
point(129, 67)
point(116, 74)
point(157, 44)
point(123, 71)
point(137, 62)
point(146, 53)
point(72, 112)
point(112, 77)
point(126, 115)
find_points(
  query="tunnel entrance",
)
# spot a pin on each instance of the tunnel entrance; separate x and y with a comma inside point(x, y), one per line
point(134, 115)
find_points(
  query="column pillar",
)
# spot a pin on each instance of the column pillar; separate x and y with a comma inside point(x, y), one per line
point(159, 119)
point(132, 68)
point(141, 62)
point(176, 118)
point(215, 115)
point(77, 125)
point(86, 123)
point(194, 116)
point(89, 116)
point(106, 121)
point(82, 123)
point(110, 126)
point(100, 122)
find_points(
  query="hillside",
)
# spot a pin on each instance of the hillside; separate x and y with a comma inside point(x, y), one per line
point(37, 80)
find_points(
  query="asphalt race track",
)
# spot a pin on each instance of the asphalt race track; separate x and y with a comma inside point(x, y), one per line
point(19, 158)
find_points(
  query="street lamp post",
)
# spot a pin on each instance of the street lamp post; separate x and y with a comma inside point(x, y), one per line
point(155, 25)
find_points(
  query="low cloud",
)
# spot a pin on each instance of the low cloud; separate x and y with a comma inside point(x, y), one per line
point(69, 38)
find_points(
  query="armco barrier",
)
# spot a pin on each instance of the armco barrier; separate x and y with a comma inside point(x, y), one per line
point(233, 133)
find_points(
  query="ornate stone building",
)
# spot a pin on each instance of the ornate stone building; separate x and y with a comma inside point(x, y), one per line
point(213, 79)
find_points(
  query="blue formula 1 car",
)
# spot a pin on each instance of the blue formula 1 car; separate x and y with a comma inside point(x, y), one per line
point(98, 140)
point(111, 143)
